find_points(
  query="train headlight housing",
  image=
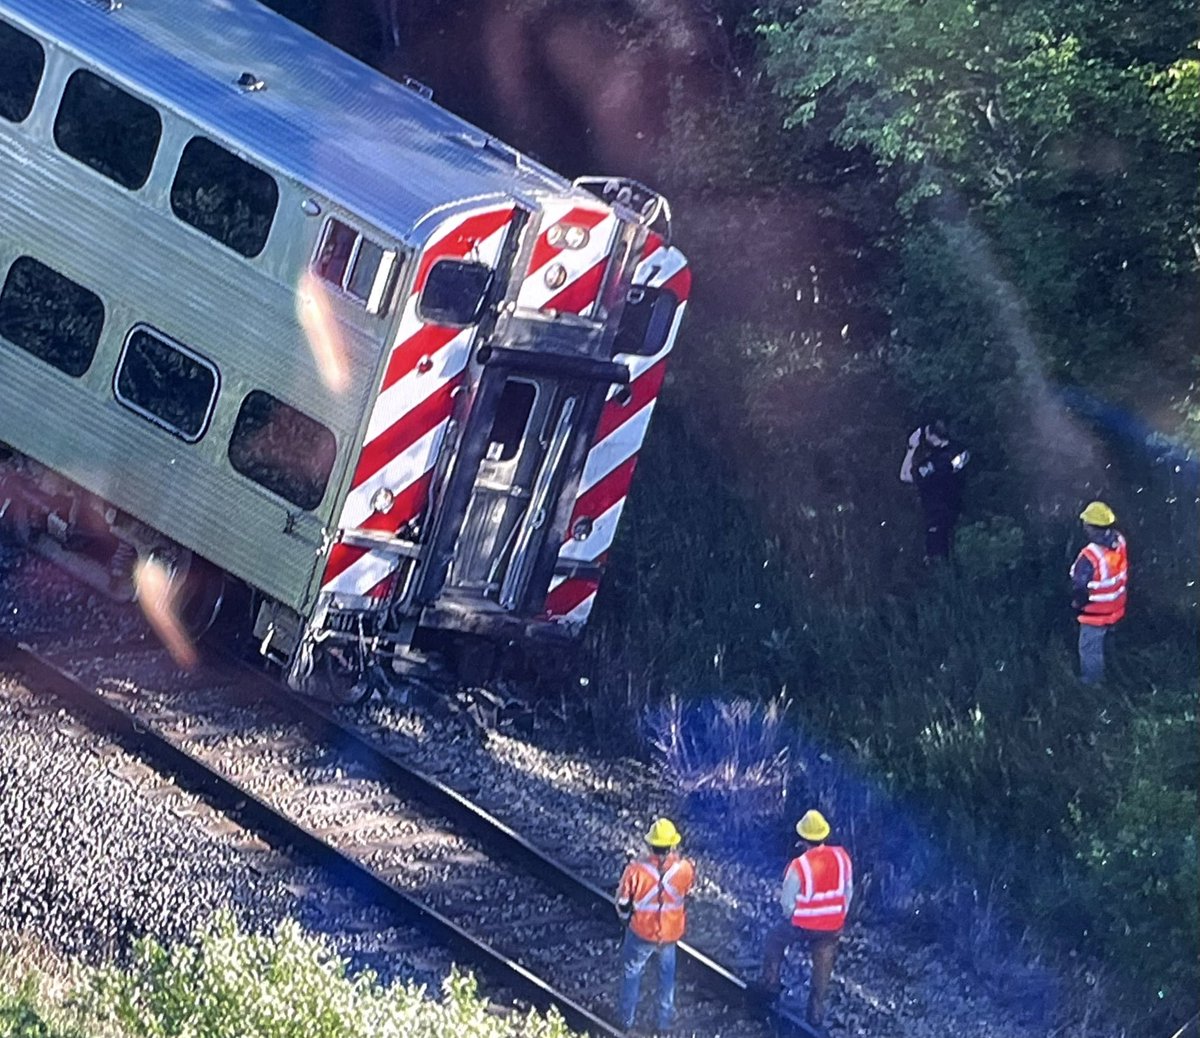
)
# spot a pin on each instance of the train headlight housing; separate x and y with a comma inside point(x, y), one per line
point(382, 500)
point(568, 236)
point(555, 276)
point(582, 529)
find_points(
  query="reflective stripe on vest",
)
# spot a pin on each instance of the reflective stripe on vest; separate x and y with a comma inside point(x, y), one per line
point(1106, 589)
point(826, 877)
point(658, 910)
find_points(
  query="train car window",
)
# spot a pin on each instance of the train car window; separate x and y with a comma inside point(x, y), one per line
point(512, 418)
point(104, 127)
point(22, 61)
point(646, 321)
point(167, 383)
point(360, 267)
point(224, 196)
point(455, 292)
point(282, 449)
point(50, 316)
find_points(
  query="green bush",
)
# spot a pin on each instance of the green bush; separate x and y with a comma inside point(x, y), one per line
point(951, 687)
point(233, 984)
point(1139, 847)
point(21, 1013)
point(992, 549)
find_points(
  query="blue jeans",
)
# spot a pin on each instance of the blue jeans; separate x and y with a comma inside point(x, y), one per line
point(1091, 653)
point(635, 954)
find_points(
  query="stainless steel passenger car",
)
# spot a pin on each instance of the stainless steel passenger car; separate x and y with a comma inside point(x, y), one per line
point(269, 315)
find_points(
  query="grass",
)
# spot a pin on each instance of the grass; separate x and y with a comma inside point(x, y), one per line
point(943, 696)
point(228, 983)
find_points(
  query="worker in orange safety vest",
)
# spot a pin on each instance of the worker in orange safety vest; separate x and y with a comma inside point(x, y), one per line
point(1098, 576)
point(816, 894)
point(651, 898)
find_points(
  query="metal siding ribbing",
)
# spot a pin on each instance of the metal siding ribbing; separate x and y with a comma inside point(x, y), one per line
point(325, 119)
point(181, 282)
point(115, 454)
point(199, 293)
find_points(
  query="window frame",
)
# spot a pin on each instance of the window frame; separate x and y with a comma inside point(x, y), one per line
point(439, 316)
point(658, 294)
point(384, 288)
point(526, 425)
point(188, 352)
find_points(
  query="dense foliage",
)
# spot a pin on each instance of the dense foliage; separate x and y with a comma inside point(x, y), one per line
point(229, 982)
point(1066, 133)
point(953, 691)
point(1023, 180)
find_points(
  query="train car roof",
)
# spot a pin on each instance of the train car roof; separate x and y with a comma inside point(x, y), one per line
point(339, 127)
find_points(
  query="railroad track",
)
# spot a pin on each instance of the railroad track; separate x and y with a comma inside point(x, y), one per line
point(288, 769)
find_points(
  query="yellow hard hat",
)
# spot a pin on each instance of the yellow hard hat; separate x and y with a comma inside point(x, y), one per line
point(813, 826)
point(1098, 514)
point(663, 834)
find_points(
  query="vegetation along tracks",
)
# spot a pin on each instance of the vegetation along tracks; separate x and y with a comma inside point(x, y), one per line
point(289, 770)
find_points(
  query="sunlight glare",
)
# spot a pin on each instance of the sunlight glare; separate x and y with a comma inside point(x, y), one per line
point(321, 331)
point(156, 596)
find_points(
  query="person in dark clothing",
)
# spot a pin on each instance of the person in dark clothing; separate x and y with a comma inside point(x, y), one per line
point(936, 465)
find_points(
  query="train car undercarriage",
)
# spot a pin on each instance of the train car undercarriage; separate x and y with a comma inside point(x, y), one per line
point(341, 655)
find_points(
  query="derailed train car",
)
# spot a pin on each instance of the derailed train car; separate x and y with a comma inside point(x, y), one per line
point(268, 317)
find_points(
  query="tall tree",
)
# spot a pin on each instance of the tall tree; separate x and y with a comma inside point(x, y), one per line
point(1067, 130)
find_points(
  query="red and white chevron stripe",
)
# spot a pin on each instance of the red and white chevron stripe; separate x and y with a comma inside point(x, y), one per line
point(613, 457)
point(424, 371)
point(582, 267)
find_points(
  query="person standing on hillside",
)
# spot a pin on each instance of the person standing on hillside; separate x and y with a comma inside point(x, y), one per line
point(1098, 578)
point(816, 894)
point(650, 898)
point(936, 466)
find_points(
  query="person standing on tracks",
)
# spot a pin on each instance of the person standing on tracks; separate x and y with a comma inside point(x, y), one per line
point(651, 900)
point(936, 466)
point(816, 894)
point(1098, 579)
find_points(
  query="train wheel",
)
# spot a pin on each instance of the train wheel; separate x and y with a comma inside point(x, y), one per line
point(201, 597)
point(191, 589)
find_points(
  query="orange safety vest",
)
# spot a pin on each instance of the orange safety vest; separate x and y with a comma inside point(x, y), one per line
point(826, 877)
point(1106, 589)
point(656, 888)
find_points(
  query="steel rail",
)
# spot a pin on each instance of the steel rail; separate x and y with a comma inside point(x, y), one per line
point(440, 797)
point(436, 796)
point(1192, 1027)
point(242, 804)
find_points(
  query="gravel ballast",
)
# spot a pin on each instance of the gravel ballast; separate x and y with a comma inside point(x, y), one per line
point(88, 861)
point(94, 855)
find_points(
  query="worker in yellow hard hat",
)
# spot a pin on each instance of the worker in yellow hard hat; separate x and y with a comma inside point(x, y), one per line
point(815, 898)
point(1098, 580)
point(651, 899)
